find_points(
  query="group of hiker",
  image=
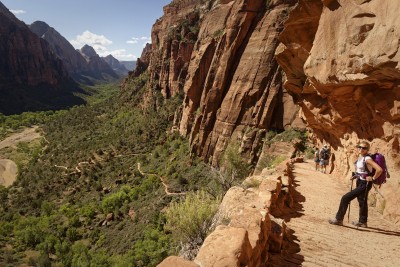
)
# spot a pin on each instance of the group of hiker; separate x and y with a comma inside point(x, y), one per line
point(321, 158)
point(370, 170)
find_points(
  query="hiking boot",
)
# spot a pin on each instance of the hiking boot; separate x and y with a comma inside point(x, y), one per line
point(360, 224)
point(335, 221)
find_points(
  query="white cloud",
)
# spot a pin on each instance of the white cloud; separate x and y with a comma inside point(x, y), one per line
point(121, 54)
point(17, 11)
point(136, 40)
point(92, 39)
point(101, 44)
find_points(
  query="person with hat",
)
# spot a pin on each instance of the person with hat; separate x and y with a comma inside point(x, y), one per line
point(363, 174)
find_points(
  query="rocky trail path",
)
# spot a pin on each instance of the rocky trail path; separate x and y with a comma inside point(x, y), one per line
point(317, 243)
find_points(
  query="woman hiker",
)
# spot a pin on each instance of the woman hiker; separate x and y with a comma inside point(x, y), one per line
point(364, 184)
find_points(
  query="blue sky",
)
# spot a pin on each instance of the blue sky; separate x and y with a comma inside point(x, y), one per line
point(117, 27)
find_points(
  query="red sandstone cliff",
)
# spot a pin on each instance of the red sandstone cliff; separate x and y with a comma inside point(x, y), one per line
point(341, 60)
point(220, 56)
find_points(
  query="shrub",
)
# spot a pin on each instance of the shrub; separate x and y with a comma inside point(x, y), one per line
point(152, 249)
point(113, 202)
point(218, 33)
point(251, 183)
point(29, 232)
point(191, 218)
point(309, 153)
point(234, 168)
point(269, 161)
point(290, 134)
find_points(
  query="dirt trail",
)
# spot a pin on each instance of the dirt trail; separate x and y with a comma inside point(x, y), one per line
point(322, 244)
point(162, 179)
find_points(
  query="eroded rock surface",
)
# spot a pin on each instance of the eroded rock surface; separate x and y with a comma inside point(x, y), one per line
point(341, 60)
point(248, 229)
point(220, 56)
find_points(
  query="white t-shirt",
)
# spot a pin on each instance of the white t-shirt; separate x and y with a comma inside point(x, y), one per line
point(360, 167)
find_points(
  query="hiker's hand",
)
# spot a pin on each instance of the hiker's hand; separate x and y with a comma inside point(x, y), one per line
point(369, 178)
point(353, 177)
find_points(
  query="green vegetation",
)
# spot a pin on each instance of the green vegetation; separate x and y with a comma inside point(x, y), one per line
point(252, 183)
point(292, 135)
point(80, 198)
point(218, 33)
point(10, 124)
point(110, 185)
point(99, 93)
point(285, 136)
point(234, 168)
point(269, 161)
point(190, 220)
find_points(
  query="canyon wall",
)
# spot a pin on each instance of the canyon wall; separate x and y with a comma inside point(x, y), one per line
point(341, 60)
point(31, 76)
point(341, 68)
point(219, 57)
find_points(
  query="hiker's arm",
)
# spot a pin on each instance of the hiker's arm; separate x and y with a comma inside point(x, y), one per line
point(378, 170)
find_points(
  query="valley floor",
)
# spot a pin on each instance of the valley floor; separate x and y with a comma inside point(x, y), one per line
point(8, 168)
point(317, 243)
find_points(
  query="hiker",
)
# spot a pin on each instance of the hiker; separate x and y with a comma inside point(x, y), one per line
point(324, 155)
point(363, 185)
point(316, 158)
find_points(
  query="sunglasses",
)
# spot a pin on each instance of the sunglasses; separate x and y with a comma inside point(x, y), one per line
point(362, 147)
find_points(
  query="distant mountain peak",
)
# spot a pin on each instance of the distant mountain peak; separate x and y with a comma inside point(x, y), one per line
point(39, 27)
point(88, 51)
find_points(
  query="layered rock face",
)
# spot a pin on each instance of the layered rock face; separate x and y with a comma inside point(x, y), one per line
point(220, 56)
point(37, 66)
point(73, 60)
point(31, 76)
point(341, 60)
point(98, 67)
point(84, 66)
point(249, 231)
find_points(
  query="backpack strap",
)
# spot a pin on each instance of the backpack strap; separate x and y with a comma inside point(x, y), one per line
point(365, 165)
point(387, 170)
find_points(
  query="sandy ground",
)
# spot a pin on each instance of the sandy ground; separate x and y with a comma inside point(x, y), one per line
point(8, 172)
point(8, 168)
point(317, 243)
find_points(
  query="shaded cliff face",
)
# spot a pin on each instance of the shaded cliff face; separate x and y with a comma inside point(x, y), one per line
point(114, 63)
point(73, 60)
point(98, 68)
point(25, 58)
point(220, 56)
point(31, 76)
point(346, 78)
point(84, 66)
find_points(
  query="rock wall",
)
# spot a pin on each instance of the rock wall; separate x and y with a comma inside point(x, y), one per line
point(31, 76)
point(38, 65)
point(248, 226)
point(341, 60)
point(72, 59)
point(220, 56)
